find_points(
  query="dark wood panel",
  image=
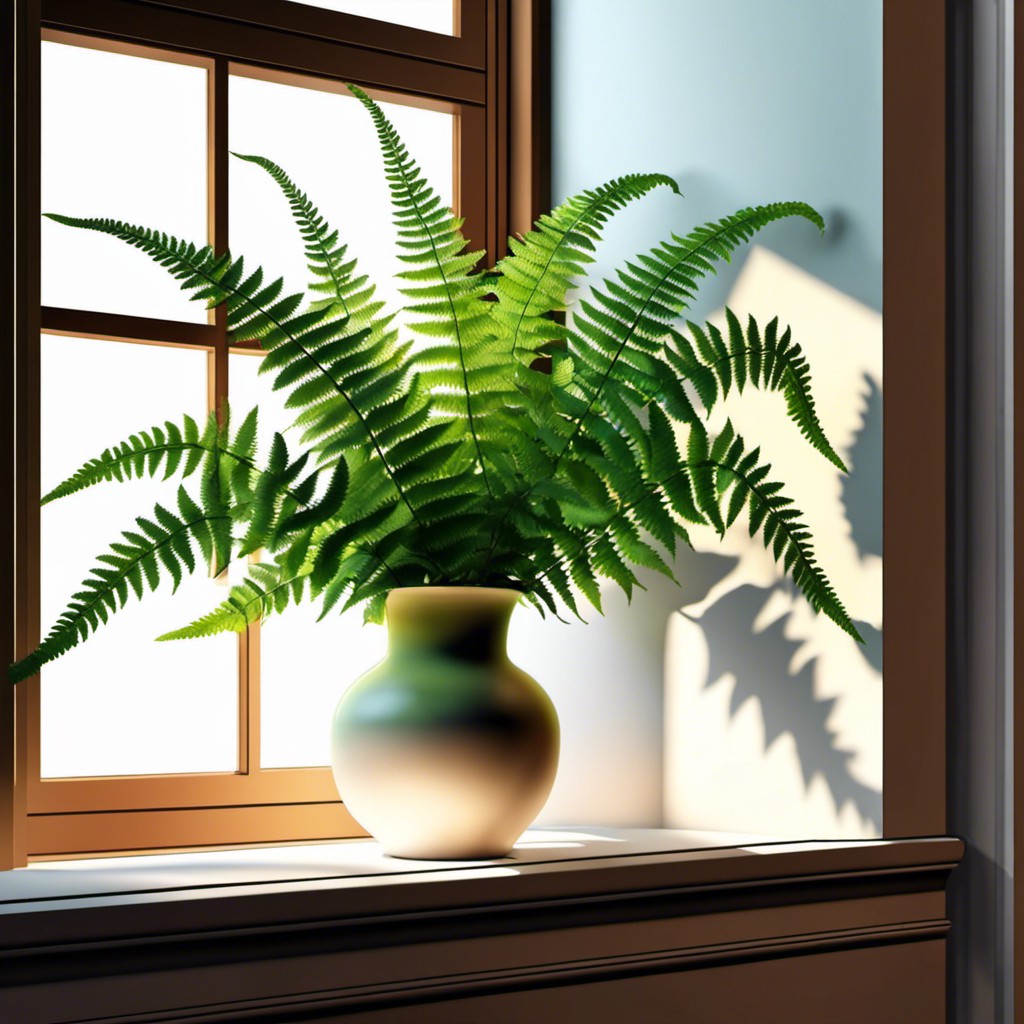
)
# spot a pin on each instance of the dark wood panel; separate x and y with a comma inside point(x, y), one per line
point(19, 405)
point(883, 985)
point(914, 286)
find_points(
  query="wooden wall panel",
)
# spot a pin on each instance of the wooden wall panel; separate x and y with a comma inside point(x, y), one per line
point(914, 325)
point(883, 985)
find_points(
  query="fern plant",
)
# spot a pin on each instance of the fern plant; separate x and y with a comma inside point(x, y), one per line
point(505, 447)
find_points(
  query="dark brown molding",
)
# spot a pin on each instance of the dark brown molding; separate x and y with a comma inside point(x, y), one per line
point(82, 323)
point(8, 285)
point(324, 1004)
point(914, 287)
point(19, 404)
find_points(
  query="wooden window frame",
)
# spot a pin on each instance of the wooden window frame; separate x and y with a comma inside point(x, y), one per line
point(490, 75)
point(916, 259)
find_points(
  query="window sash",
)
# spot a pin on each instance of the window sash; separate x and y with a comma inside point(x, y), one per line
point(465, 74)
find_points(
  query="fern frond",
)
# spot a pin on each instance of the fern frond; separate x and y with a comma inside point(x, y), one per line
point(533, 280)
point(169, 448)
point(742, 481)
point(161, 547)
point(461, 460)
point(343, 369)
point(267, 590)
point(332, 272)
point(619, 336)
point(447, 297)
point(714, 363)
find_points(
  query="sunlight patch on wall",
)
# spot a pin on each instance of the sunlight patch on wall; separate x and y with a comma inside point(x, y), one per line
point(774, 716)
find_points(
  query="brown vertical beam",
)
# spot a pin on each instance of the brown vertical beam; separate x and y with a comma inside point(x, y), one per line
point(218, 158)
point(497, 127)
point(9, 816)
point(217, 217)
point(19, 407)
point(529, 162)
point(469, 197)
point(914, 277)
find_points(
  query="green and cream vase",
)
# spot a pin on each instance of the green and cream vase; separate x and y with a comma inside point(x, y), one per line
point(445, 750)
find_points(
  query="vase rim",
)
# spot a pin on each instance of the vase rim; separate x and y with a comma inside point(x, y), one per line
point(458, 588)
point(444, 601)
point(460, 594)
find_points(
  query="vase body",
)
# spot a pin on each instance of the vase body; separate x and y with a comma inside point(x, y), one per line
point(445, 750)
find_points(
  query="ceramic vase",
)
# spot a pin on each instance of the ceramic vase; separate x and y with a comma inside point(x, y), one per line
point(445, 749)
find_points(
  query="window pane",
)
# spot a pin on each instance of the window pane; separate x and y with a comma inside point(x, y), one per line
point(120, 704)
point(122, 137)
point(430, 15)
point(326, 143)
point(305, 666)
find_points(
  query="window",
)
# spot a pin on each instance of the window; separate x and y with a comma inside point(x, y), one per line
point(915, 289)
point(115, 84)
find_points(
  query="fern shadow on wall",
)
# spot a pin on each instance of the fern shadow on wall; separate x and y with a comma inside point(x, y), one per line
point(776, 666)
point(862, 501)
point(762, 669)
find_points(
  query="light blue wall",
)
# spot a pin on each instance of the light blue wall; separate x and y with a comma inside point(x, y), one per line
point(744, 102)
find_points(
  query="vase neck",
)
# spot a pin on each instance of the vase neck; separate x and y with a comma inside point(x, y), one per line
point(470, 623)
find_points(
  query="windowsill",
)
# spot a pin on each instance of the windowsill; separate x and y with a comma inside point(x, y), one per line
point(343, 863)
point(360, 869)
point(268, 930)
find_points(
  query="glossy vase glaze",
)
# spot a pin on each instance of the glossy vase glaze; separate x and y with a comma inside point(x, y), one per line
point(445, 750)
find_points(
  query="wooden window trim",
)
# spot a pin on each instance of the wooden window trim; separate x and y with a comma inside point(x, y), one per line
point(469, 74)
point(915, 586)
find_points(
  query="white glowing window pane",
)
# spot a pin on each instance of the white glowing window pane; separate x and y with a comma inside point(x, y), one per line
point(305, 666)
point(122, 137)
point(121, 704)
point(429, 15)
point(248, 388)
point(326, 143)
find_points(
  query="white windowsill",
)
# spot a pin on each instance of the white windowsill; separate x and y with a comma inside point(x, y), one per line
point(356, 864)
